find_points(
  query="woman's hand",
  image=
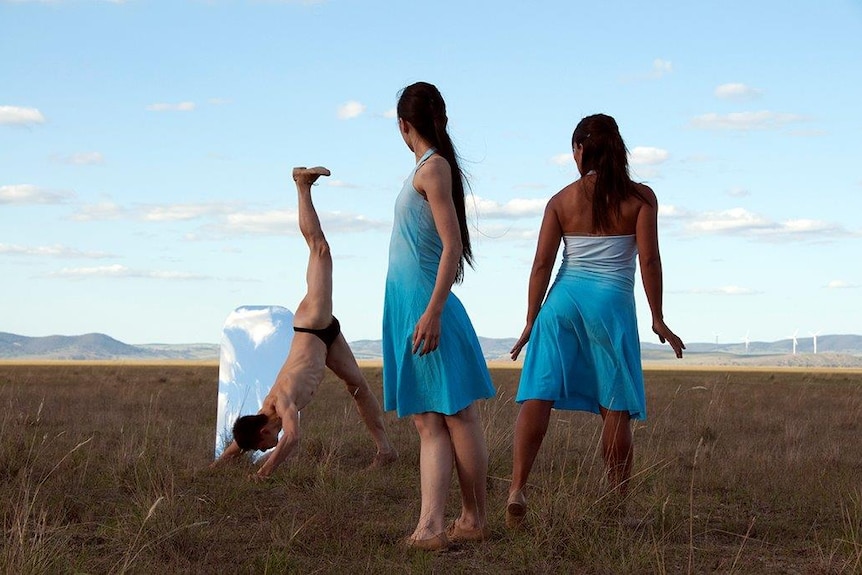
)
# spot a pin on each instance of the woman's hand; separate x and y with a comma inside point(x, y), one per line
point(666, 335)
point(428, 331)
point(522, 341)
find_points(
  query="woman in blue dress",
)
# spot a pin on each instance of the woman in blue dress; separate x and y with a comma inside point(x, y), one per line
point(433, 368)
point(584, 351)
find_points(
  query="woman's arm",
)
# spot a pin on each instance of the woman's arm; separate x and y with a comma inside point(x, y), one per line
point(646, 232)
point(434, 181)
point(550, 234)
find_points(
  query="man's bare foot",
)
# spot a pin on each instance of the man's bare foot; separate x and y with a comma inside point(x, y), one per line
point(303, 175)
point(383, 459)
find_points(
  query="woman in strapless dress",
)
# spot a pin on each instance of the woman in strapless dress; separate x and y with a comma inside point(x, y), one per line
point(584, 351)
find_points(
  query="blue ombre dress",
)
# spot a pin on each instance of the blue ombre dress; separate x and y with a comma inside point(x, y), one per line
point(454, 375)
point(584, 349)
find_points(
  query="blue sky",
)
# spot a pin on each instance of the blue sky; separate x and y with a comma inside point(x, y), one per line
point(146, 148)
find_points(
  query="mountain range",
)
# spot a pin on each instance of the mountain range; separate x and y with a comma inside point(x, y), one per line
point(832, 351)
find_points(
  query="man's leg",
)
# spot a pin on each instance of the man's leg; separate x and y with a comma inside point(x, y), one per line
point(341, 361)
point(315, 309)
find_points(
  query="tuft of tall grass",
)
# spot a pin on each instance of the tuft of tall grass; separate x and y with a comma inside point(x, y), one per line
point(105, 470)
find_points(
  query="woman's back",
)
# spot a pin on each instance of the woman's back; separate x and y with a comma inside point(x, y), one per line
point(573, 206)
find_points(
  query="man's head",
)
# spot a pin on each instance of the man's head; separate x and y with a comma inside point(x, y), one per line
point(256, 432)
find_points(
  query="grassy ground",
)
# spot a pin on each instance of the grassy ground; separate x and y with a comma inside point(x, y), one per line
point(104, 470)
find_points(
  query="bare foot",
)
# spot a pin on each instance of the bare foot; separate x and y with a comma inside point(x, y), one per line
point(438, 542)
point(382, 460)
point(303, 175)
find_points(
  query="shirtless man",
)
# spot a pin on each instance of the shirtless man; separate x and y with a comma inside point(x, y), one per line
point(317, 344)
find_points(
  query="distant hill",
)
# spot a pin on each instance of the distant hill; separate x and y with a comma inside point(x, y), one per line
point(96, 346)
point(493, 349)
point(832, 351)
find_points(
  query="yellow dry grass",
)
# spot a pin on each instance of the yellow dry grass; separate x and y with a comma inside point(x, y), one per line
point(104, 470)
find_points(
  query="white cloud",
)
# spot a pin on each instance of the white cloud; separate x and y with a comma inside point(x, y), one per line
point(730, 290)
point(55, 251)
point(57, 1)
point(26, 194)
point(180, 107)
point(351, 109)
point(274, 222)
point(661, 68)
point(744, 121)
point(729, 221)
point(300, 2)
point(530, 186)
point(738, 192)
point(340, 222)
point(17, 116)
point(513, 209)
point(151, 212)
point(812, 133)
point(696, 159)
point(391, 113)
point(645, 173)
point(340, 184)
point(736, 91)
point(671, 211)
point(648, 156)
point(220, 101)
point(563, 159)
point(180, 212)
point(498, 231)
point(741, 222)
point(284, 222)
point(841, 284)
point(82, 159)
point(99, 212)
point(122, 272)
point(805, 226)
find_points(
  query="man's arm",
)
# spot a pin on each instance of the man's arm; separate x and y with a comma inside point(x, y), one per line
point(231, 452)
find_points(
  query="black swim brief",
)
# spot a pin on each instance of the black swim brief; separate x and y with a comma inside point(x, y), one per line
point(327, 334)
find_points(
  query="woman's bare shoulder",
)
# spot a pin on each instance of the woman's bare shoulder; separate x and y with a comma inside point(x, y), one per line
point(646, 193)
point(436, 163)
point(435, 168)
point(573, 188)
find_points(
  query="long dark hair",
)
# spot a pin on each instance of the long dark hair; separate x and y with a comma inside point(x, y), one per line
point(605, 153)
point(422, 105)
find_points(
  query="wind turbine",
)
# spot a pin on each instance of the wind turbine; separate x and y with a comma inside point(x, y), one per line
point(795, 333)
point(814, 336)
point(747, 341)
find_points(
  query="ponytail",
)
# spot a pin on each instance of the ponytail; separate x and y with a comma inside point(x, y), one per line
point(605, 153)
point(423, 106)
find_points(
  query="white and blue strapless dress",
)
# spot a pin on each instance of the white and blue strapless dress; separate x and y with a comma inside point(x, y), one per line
point(584, 349)
point(454, 375)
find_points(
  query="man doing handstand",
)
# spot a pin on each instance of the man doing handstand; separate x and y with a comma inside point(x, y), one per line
point(317, 344)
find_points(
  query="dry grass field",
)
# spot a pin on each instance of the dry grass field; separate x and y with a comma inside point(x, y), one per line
point(104, 470)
